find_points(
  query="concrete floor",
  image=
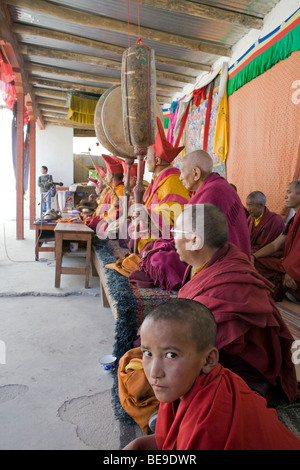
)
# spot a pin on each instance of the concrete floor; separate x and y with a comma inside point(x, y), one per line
point(53, 393)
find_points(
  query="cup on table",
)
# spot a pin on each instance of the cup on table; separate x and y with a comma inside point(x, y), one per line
point(73, 246)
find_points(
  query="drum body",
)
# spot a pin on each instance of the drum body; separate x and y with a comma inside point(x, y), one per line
point(108, 121)
point(138, 81)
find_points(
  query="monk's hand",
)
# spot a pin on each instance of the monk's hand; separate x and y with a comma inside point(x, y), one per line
point(139, 213)
point(289, 282)
point(136, 214)
point(252, 260)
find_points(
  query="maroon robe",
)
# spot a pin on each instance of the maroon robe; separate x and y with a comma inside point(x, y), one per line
point(274, 269)
point(253, 339)
point(271, 225)
point(220, 412)
point(162, 267)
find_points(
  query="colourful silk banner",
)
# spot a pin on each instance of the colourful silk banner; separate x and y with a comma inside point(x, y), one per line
point(265, 53)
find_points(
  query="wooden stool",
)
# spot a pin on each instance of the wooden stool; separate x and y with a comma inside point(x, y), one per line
point(75, 233)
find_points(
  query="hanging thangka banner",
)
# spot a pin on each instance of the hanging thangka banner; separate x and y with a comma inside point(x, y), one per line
point(194, 133)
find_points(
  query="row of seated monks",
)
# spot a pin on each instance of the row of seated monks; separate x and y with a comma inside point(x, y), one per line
point(203, 246)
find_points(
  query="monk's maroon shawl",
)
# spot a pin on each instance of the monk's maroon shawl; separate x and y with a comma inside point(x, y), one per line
point(249, 324)
point(291, 256)
point(271, 225)
point(274, 268)
point(162, 265)
point(220, 412)
point(216, 190)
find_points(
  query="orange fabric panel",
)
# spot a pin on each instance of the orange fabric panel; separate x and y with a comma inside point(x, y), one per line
point(264, 139)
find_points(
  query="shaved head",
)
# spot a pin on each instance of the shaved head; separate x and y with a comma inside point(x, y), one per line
point(201, 322)
point(194, 168)
point(200, 159)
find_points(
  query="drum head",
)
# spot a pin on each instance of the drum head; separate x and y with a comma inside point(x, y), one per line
point(108, 121)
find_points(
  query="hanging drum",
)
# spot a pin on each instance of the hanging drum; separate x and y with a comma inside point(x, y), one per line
point(108, 122)
point(139, 95)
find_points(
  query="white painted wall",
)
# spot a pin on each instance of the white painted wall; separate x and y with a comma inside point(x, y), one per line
point(54, 149)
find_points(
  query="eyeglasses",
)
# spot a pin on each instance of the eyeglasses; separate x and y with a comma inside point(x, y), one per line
point(174, 231)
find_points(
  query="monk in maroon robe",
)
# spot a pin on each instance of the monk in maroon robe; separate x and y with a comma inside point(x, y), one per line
point(253, 340)
point(264, 225)
point(161, 266)
point(203, 406)
point(284, 273)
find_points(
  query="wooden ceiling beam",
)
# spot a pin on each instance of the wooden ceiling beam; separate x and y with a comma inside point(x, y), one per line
point(97, 21)
point(49, 93)
point(52, 101)
point(35, 68)
point(84, 133)
point(63, 54)
point(67, 86)
point(74, 74)
point(81, 41)
point(90, 59)
point(64, 122)
point(54, 115)
point(55, 109)
point(205, 11)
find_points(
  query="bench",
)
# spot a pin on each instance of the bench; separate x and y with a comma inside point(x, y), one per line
point(129, 304)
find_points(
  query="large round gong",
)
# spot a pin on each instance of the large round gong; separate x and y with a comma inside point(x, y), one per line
point(108, 122)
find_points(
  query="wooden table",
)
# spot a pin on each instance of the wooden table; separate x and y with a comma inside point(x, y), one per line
point(43, 233)
point(75, 233)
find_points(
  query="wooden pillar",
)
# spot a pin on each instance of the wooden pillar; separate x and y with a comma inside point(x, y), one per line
point(140, 153)
point(20, 164)
point(32, 171)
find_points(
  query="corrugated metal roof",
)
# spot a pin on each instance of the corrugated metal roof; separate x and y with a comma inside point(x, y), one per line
point(189, 44)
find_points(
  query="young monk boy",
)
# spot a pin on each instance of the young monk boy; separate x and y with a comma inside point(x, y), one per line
point(203, 406)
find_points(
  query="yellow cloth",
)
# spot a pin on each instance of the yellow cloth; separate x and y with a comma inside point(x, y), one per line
point(81, 110)
point(221, 133)
point(257, 220)
point(197, 270)
point(134, 364)
point(169, 210)
point(112, 211)
point(104, 194)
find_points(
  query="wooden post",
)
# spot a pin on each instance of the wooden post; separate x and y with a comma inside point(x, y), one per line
point(124, 216)
point(129, 162)
point(32, 169)
point(139, 189)
point(20, 164)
